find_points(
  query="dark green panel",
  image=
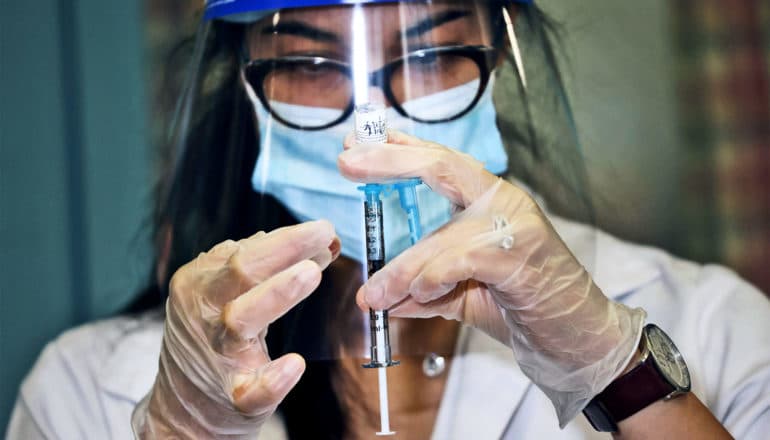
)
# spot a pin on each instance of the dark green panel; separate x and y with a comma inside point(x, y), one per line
point(73, 171)
point(35, 282)
point(116, 157)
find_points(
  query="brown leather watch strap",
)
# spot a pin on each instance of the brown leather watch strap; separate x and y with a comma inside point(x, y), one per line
point(627, 395)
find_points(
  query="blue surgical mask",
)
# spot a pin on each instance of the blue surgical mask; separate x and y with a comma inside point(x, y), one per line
point(299, 167)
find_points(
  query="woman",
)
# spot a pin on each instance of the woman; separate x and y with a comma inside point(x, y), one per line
point(497, 279)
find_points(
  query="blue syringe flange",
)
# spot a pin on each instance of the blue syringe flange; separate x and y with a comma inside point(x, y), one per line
point(373, 191)
point(407, 195)
point(403, 186)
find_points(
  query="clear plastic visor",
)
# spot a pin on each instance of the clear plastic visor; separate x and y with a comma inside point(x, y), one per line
point(474, 76)
point(429, 65)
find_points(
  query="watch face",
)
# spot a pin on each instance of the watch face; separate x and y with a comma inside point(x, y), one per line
point(668, 358)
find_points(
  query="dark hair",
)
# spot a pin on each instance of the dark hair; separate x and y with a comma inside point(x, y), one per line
point(208, 198)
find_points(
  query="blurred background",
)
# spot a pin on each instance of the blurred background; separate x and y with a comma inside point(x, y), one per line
point(672, 101)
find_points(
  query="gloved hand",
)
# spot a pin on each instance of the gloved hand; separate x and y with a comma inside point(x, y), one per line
point(500, 266)
point(215, 378)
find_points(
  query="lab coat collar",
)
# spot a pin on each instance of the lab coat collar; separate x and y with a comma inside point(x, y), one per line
point(130, 370)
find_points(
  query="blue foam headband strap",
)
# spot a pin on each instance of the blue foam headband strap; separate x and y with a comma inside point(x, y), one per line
point(252, 10)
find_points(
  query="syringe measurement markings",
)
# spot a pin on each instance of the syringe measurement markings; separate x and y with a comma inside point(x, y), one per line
point(371, 127)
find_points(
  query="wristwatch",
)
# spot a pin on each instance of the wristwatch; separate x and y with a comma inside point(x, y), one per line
point(660, 374)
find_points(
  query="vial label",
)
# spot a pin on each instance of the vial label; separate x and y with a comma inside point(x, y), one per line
point(371, 124)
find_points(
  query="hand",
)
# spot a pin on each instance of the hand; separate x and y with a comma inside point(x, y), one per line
point(500, 266)
point(215, 376)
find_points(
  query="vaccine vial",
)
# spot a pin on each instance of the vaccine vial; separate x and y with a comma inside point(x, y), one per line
point(371, 124)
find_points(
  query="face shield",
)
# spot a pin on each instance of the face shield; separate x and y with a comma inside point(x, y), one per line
point(477, 76)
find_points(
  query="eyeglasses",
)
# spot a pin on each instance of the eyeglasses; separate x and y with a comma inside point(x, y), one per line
point(282, 84)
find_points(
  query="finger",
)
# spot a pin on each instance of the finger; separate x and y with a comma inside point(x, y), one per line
point(214, 257)
point(401, 138)
point(441, 276)
point(246, 353)
point(257, 258)
point(391, 284)
point(471, 304)
point(487, 258)
point(270, 387)
point(247, 315)
point(325, 257)
point(394, 137)
point(450, 173)
point(228, 247)
point(449, 306)
point(262, 256)
point(258, 234)
point(349, 141)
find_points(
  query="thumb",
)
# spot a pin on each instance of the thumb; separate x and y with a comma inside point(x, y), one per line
point(264, 392)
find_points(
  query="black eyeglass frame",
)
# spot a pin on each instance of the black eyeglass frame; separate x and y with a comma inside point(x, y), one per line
point(485, 57)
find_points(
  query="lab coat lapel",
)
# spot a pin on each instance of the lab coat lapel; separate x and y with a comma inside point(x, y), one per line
point(484, 387)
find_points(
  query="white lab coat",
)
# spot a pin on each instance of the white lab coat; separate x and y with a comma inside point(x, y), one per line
point(86, 383)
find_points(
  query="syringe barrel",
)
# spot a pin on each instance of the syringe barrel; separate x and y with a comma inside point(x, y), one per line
point(375, 241)
point(379, 332)
point(371, 127)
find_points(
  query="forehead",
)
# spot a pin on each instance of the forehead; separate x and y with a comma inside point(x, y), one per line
point(385, 21)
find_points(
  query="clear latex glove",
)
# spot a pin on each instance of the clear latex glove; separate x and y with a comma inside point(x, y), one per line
point(216, 379)
point(500, 266)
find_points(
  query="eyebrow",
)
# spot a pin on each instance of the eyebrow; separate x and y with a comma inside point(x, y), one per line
point(434, 22)
point(304, 30)
point(301, 30)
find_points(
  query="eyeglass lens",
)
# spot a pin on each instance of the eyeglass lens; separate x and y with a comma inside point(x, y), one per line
point(327, 85)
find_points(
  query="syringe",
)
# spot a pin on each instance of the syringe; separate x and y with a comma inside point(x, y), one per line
point(371, 127)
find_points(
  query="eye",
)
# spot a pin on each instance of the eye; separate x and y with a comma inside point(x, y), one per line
point(313, 69)
point(425, 58)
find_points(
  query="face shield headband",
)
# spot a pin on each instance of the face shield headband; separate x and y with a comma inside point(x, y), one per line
point(245, 11)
